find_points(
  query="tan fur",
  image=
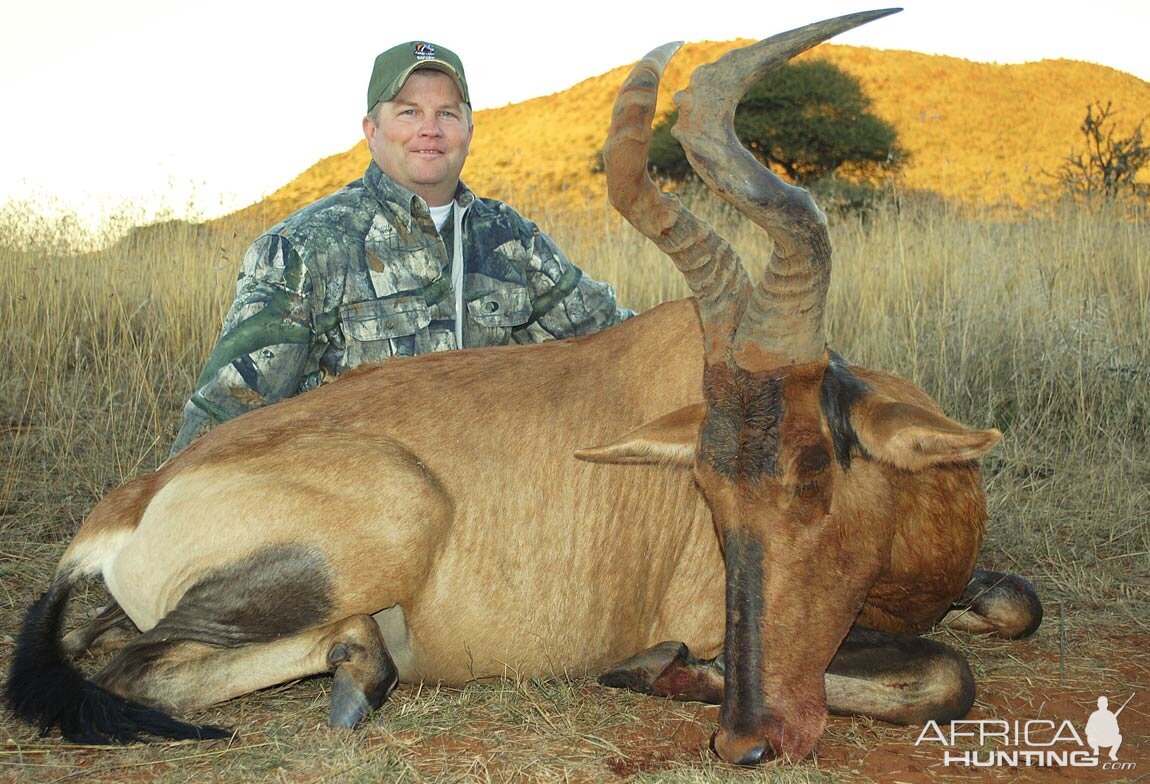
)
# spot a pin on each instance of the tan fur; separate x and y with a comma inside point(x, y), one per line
point(109, 524)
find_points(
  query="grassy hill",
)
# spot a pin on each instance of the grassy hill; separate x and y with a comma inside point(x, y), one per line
point(976, 132)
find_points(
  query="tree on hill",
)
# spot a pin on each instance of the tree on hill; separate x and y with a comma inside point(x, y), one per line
point(1109, 167)
point(810, 119)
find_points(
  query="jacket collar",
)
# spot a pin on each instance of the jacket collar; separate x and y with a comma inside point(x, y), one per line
point(405, 204)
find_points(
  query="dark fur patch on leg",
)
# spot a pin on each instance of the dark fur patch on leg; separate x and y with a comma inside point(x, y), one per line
point(1005, 604)
point(277, 592)
point(111, 626)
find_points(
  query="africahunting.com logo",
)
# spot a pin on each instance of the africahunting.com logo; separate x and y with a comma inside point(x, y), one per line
point(989, 743)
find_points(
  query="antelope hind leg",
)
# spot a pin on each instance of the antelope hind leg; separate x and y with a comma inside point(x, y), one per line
point(251, 624)
point(996, 603)
point(180, 674)
point(111, 629)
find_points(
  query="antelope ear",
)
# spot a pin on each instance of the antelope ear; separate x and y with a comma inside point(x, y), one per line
point(912, 437)
point(668, 440)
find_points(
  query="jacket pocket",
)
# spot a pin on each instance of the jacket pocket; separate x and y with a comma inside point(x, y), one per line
point(377, 329)
point(505, 307)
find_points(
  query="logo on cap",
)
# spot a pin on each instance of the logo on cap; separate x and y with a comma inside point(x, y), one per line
point(424, 51)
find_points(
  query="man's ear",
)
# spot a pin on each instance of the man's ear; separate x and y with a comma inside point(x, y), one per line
point(668, 440)
point(470, 137)
point(912, 437)
point(369, 130)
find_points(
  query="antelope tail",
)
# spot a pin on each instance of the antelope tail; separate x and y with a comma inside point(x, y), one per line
point(45, 689)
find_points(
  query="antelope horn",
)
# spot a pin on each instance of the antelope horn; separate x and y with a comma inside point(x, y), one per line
point(710, 265)
point(783, 322)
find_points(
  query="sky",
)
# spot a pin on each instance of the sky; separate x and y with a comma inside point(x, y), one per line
point(192, 110)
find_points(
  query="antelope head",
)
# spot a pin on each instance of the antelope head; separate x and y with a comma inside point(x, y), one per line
point(804, 536)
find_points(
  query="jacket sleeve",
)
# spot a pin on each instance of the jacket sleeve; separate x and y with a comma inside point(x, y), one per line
point(565, 301)
point(262, 349)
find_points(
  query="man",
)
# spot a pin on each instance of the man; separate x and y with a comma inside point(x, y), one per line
point(405, 261)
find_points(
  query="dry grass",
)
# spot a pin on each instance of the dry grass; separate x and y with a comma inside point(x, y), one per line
point(1039, 326)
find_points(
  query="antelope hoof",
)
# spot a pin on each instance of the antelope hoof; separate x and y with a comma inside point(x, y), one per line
point(1002, 604)
point(349, 705)
point(352, 698)
point(642, 670)
point(669, 670)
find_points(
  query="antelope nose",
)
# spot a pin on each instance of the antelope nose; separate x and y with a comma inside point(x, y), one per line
point(740, 751)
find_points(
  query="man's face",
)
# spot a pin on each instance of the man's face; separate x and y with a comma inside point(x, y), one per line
point(422, 136)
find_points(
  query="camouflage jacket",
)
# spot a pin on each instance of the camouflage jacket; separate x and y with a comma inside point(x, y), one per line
point(363, 275)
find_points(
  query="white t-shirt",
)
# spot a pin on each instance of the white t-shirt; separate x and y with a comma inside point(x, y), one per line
point(439, 215)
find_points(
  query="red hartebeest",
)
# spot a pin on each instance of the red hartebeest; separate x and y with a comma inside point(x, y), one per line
point(760, 478)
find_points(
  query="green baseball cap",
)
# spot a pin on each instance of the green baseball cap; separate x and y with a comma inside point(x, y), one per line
point(396, 64)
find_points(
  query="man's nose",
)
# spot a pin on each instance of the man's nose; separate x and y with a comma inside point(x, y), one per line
point(430, 126)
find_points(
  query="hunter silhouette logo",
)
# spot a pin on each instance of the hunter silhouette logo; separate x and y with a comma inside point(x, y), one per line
point(1034, 742)
point(1102, 728)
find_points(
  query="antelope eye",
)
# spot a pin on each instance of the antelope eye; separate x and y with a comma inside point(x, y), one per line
point(806, 489)
point(810, 466)
point(812, 462)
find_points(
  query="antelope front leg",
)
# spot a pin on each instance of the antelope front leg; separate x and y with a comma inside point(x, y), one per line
point(669, 670)
point(997, 603)
point(897, 678)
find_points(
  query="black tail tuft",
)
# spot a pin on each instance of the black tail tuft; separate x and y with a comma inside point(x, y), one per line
point(46, 690)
